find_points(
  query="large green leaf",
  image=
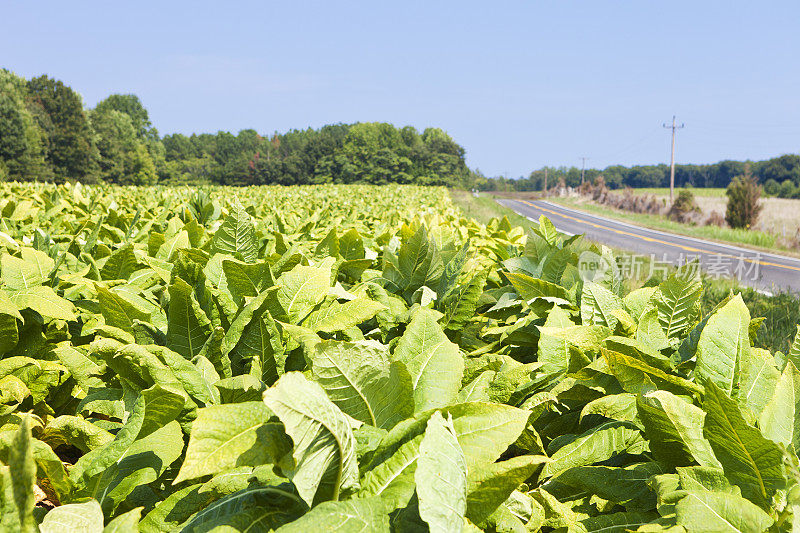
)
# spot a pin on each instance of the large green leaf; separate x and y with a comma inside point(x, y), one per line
point(28, 271)
point(393, 480)
point(391, 473)
point(359, 378)
point(125, 523)
point(556, 350)
point(460, 304)
point(452, 270)
point(85, 371)
point(638, 301)
point(477, 390)
point(243, 279)
point(435, 364)
point(624, 485)
point(351, 245)
point(488, 486)
point(301, 289)
point(237, 236)
point(620, 523)
point(598, 304)
point(441, 476)
point(22, 471)
point(119, 312)
point(139, 366)
point(119, 265)
point(75, 431)
point(594, 446)
point(140, 452)
point(636, 376)
point(324, 448)
point(649, 330)
point(529, 287)
point(255, 509)
point(86, 517)
point(170, 249)
point(720, 512)
point(188, 325)
point(172, 512)
point(723, 343)
point(758, 377)
point(614, 407)
point(191, 379)
point(253, 338)
point(419, 261)
point(44, 301)
point(750, 461)
point(9, 314)
point(677, 301)
point(232, 435)
point(779, 421)
point(352, 516)
point(339, 317)
point(674, 428)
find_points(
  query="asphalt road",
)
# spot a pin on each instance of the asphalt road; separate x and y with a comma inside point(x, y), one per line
point(764, 271)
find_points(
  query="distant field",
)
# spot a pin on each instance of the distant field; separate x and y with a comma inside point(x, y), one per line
point(780, 216)
point(664, 191)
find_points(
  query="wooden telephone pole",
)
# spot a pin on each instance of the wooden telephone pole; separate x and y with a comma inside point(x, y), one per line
point(672, 159)
point(583, 167)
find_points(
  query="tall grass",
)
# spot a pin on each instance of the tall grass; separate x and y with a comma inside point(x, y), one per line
point(664, 191)
point(484, 208)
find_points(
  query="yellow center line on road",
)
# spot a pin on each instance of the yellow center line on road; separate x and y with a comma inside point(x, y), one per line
point(650, 239)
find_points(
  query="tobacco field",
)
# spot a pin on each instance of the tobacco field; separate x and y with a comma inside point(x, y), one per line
point(360, 358)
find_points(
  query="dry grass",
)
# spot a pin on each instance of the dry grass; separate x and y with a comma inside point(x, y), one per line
point(780, 216)
point(757, 239)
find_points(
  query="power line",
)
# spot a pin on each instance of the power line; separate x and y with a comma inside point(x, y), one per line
point(672, 159)
point(636, 144)
point(744, 126)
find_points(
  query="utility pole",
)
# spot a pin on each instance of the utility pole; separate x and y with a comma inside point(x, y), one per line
point(583, 167)
point(672, 159)
point(545, 180)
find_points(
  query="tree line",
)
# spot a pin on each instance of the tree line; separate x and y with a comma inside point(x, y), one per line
point(46, 134)
point(780, 176)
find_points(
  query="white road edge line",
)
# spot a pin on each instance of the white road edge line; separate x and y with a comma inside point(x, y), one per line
point(674, 235)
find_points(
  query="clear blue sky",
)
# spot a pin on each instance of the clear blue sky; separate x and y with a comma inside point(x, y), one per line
point(518, 84)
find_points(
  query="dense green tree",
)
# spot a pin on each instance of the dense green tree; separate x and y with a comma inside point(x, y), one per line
point(131, 106)
point(21, 153)
point(70, 148)
point(124, 157)
point(787, 189)
point(771, 187)
point(115, 139)
point(141, 170)
point(785, 167)
point(744, 201)
point(179, 146)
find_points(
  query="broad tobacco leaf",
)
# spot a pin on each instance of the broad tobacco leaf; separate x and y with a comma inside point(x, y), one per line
point(324, 447)
point(435, 364)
